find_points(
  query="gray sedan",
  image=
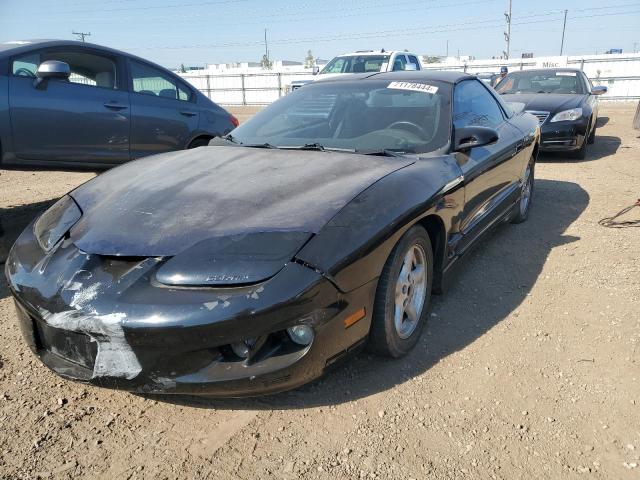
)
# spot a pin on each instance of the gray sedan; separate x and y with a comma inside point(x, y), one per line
point(75, 104)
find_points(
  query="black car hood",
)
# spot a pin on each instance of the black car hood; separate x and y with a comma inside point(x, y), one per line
point(546, 102)
point(162, 205)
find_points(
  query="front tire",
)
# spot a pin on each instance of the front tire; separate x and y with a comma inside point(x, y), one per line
point(526, 193)
point(592, 136)
point(403, 296)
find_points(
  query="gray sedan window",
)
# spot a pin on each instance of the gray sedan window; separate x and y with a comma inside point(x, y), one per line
point(87, 68)
point(151, 81)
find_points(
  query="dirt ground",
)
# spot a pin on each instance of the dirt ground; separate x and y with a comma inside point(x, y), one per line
point(529, 367)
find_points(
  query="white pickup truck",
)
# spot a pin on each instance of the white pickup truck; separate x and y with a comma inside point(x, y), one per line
point(364, 61)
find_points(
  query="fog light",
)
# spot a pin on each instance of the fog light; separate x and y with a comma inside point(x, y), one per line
point(301, 334)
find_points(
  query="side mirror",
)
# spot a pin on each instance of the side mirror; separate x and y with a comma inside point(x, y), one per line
point(599, 90)
point(466, 138)
point(411, 67)
point(51, 69)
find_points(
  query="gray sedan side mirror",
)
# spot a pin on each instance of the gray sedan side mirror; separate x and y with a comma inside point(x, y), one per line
point(599, 90)
point(51, 69)
point(466, 138)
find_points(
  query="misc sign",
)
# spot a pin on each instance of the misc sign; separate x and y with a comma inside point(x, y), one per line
point(551, 62)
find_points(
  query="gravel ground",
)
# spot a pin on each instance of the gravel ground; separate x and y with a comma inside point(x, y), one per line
point(529, 367)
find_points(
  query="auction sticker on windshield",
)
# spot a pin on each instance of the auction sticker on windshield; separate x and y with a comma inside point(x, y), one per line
point(565, 74)
point(414, 87)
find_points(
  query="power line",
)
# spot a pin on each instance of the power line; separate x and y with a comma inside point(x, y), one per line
point(475, 25)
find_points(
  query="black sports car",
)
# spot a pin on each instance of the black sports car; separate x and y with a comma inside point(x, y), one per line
point(253, 265)
point(565, 102)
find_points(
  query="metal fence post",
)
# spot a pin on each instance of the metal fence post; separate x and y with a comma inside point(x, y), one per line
point(244, 93)
point(209, 86)
point(279, 84)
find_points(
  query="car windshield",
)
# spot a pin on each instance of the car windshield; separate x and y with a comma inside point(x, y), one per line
point(356, 64)
point(362, 116)
point(552, 81)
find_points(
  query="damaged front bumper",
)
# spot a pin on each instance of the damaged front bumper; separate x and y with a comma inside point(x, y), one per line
point(106, 321)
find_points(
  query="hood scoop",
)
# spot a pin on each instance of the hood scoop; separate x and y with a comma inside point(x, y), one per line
point(233, 260)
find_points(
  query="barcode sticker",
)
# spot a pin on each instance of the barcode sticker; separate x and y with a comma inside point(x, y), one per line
point(414, 87)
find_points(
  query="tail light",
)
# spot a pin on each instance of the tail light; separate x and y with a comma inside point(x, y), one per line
point(234, 120)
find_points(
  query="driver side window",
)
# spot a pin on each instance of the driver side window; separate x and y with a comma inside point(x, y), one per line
point(26, 65)
point(473, 105)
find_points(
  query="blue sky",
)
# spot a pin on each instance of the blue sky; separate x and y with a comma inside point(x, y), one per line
point(195, 32)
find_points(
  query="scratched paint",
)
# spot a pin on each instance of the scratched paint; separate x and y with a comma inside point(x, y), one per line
point(115, 357)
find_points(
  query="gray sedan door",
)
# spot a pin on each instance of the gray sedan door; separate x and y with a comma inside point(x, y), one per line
point(84, 119)
point(164, 114)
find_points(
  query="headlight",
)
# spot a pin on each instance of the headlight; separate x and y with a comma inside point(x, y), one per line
point(56, 222)
point(567, 115)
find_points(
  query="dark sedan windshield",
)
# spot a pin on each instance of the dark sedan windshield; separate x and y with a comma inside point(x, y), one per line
point(365, 116)
point(552, 81)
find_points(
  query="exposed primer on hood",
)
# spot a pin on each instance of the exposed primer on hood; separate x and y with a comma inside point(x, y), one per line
point(115, 357)
point(161, 205)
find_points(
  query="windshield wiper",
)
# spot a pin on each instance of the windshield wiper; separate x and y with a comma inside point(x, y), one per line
point(385, 152)
point(320, 148)
point(259, 145)
point(230, 138)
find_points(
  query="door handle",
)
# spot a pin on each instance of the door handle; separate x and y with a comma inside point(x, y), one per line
point(188, 113)
point(115, 106)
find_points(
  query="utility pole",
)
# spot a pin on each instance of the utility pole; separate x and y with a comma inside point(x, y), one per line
point(447, 49)
point(266, 45)
point(564, 27)
point(635, 47)
point(81, 35)
point(507, 34)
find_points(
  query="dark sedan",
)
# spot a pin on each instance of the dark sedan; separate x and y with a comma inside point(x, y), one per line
point(565, 102)
point(75, 104)
point(253, 265)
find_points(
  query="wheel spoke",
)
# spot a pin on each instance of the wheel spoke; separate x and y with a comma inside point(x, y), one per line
point(417, 275)
point(411, 312)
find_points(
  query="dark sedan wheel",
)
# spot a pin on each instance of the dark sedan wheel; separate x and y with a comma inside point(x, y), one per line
point(592, 137)
point(403, 297)
point(526, 194)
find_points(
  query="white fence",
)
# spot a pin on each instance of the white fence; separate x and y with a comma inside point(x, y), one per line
point(620, 73)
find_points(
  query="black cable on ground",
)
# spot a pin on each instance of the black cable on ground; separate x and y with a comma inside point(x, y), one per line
point(610, 222)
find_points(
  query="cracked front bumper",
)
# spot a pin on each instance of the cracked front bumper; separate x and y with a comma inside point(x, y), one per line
point(107, 322)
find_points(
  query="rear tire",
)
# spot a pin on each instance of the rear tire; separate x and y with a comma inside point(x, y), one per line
point(403, 296)
point(199, 142)
point(526, 193)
